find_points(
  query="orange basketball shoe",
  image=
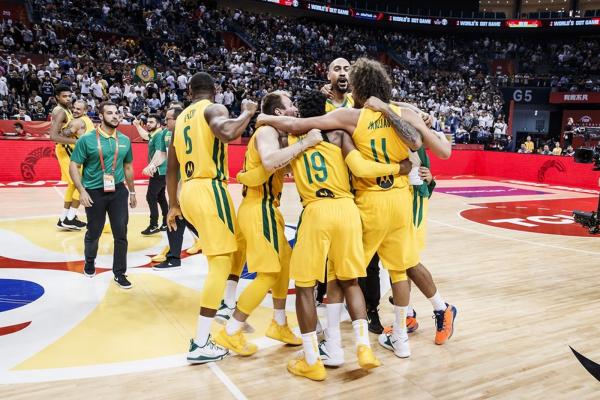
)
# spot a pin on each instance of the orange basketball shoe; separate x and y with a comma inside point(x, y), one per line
point(444, 324)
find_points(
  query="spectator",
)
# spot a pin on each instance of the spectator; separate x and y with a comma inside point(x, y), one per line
point(557, 150)
point(569, 151)
point(529, 145)
point(22, 115)
point(546, 150)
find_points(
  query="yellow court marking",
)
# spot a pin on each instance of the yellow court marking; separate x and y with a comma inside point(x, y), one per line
point(43, 233)
point(154, 319)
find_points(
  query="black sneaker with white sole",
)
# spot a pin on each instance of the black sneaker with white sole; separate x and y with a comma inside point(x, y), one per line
point(123, 282)
point(374, 322)
point(68, 224)
point(163, 227)
point(89, 269)
point(75, 221)
point(151, 230)
point(167, 265)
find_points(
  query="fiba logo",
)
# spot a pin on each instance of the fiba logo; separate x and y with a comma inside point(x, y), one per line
point(586, 119)
point(385, 182)
point(189, 169)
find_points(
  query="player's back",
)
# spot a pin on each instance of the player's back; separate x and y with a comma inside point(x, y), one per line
point(376, 139)
point(200, 153)
point(321, 172)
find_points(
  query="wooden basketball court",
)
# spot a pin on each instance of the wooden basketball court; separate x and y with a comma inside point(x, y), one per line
point(525, 291)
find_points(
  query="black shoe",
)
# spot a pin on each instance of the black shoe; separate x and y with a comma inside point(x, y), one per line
point(122, 281)
point(374, 323)
point(163, 227)
point(74, 222)
point(168, 265)
point(151, 230)
point(79, 223)
point(59, 224)
point(68, 224)
point(89, 269)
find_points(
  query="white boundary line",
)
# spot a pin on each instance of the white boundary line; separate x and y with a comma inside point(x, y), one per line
point(237, 393)
point(510, 238)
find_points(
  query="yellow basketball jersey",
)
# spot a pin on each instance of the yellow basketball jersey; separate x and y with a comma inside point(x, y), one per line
point(376, 140)
point(347, 103)
point(268, 191)
point(89, 125)
point(321, 172)
point(201, 155)
point(61, 149)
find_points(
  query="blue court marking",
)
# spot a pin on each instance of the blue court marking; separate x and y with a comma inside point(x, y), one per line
point(15, 293)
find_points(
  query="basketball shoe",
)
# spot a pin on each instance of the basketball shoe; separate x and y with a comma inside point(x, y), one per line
point(444, 324)
point(207, 353)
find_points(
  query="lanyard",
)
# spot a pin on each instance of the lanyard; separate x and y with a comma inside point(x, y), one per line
point(100, 151)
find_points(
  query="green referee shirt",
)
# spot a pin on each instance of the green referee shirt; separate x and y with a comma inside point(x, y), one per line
point(158, 143)
point(86, 153)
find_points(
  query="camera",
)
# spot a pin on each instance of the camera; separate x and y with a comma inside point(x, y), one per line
point(586, 156)
point(589, 219)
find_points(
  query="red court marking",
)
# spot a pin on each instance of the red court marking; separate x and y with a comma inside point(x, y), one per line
point(537, 216)
point(7, 330)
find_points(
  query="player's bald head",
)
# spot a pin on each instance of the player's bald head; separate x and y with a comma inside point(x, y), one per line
point(339, 62)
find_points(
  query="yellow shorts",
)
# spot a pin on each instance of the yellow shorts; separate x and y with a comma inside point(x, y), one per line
point(263, 229)
point(63, 155)
point(387, 227)
point(328, 228)
point(419, 215)
point(207, 205)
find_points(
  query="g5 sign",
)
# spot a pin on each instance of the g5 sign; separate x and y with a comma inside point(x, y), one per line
point(522, 95)
point(526, 95)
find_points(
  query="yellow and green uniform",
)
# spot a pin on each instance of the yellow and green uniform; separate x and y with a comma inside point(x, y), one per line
point(347, 103)
point(385, 203)
point(63, 151)
point(329, 226)
point(89, 125)
point(157, 143)
point(204, 199)
point(267, 250)
point(86, 153)
point(420, 205)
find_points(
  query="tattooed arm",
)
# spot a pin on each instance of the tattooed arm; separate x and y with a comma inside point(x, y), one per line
point(408, 126)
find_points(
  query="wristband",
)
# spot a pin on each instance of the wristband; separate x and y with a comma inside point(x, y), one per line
point(132, 193)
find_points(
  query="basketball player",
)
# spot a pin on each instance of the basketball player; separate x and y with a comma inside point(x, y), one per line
point(268, 251)
point(61, 116)
point(384, 202)
point(202, 132)
point(80, 123)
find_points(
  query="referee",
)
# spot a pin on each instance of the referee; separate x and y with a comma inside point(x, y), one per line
point(106, 157)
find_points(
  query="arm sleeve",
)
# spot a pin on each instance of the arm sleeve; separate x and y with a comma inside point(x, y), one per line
point(363, 168)
point(79, 154)
point(254, 177)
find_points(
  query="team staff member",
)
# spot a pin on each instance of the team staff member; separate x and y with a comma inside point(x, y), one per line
point(106, 157)
point(156, 170)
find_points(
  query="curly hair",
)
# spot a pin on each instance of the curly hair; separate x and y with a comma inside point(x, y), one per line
point(369, 78)
point(311, 103)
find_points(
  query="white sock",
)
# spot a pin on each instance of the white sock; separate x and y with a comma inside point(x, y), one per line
point(72, 213)
point(202, 330)
point(64, 214)
point(233, 326)
point(279, 317)
point(361, 332)
point(311, 347)
point(230, 290)
point(319, 328)
point(333, 323)
point(410, 312)
point(399, 327)
point(437, 302)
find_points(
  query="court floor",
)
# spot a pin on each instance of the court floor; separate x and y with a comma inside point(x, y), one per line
point(524, 278)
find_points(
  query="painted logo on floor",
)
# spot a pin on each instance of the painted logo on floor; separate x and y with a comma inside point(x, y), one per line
point(538, 216)
point(488, 191)
point(55, 323)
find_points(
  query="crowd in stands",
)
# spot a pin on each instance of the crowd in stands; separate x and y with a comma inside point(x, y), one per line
point(447, 76)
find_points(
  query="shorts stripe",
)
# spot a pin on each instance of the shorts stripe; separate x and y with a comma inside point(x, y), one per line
point(265, 217)
point(217, 200)
point(215, 158)
point(272, 211)
point(226, 206)
point(298, 226)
